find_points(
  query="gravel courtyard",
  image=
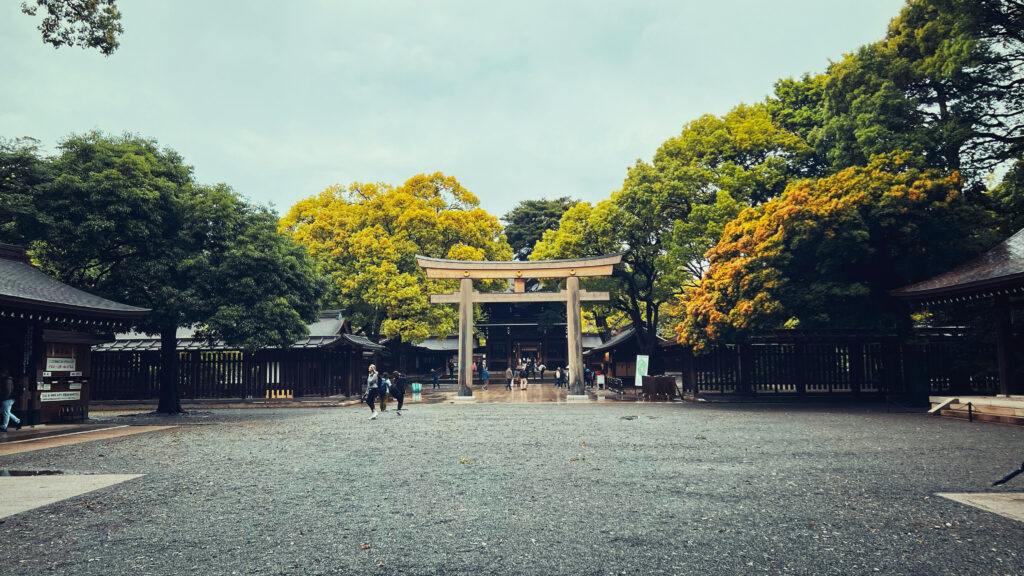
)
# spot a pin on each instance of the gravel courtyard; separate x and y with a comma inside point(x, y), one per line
point(598, 488)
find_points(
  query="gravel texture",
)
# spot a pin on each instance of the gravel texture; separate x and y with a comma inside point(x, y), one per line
point(598, 488)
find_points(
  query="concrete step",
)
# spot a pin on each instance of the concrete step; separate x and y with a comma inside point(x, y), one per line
point(979, 414)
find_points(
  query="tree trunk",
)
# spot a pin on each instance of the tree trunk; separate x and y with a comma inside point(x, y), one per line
point(170, 399)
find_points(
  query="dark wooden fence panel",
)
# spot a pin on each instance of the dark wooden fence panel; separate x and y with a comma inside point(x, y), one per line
point(953, 364)
point(224, 373)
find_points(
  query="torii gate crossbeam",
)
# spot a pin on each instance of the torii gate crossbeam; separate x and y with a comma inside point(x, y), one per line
point(467, 271)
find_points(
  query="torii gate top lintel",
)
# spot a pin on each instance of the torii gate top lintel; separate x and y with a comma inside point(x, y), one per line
point(485, 269)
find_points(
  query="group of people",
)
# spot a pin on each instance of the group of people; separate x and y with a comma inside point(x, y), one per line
point(519, 376)
point(380, 386)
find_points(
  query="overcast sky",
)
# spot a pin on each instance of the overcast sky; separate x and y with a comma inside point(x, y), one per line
point(517, 100)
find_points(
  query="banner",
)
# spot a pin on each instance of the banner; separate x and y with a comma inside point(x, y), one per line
point(642, 363)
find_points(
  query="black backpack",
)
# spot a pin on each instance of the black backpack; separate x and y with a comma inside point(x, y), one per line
point(7, 389)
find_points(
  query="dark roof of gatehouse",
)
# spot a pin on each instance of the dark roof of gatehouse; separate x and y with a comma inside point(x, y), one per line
point(26, 290)
point(329, 329)
point(998, 271)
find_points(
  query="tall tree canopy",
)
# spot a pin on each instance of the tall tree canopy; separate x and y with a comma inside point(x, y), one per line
point(24, 175)
point(826, 253)
point(366, 237)
point(83, 23)
point(670, 212)
point(124, 219)
point(945, 83)
point(527, 222)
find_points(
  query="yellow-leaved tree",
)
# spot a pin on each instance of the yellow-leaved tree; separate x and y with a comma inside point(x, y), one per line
point(826, 253)
point(366, 238)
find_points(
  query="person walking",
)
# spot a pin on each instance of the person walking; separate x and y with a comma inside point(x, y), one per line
point(434, 376)
point(397, 390)
point(541, 369)
point(8, 394)
point(509, 375)
point(383, 391)
point(485, 375)
point(558, 377)
point(372, 386)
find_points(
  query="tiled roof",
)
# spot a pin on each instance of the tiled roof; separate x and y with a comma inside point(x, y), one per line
point(153, 344)
point(439, 345)
point(23, 287)
point(619, 339)
point(325, 331)
point(363, 342)
point(998, 270)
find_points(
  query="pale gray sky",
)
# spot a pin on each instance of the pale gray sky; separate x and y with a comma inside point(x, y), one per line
point(517, 100)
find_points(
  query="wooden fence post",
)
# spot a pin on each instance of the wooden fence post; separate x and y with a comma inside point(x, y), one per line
point(745, 358)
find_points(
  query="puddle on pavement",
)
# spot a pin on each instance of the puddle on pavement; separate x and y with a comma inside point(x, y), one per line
point(6, 472)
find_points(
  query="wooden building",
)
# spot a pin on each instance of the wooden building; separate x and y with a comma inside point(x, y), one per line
point(616, 357)
point(329, 361)
point(997, 276)
point(46, 331)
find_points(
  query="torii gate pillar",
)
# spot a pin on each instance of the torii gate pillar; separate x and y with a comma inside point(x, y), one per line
point(574, 324)
point(465, 336)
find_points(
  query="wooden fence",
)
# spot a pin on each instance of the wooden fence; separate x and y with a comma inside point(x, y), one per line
point(124, 375)
point(946, 364)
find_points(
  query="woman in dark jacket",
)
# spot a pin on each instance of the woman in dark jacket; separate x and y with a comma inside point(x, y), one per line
point(398, 389)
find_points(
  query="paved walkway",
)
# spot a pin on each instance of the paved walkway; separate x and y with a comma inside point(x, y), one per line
point(535, 488)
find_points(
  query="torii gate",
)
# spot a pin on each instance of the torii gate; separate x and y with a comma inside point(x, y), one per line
point(467, 271)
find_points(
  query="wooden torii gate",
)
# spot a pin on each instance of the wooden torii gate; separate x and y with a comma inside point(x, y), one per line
point(467, 271)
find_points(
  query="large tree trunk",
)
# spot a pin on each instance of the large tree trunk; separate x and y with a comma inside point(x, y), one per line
point(170, 400)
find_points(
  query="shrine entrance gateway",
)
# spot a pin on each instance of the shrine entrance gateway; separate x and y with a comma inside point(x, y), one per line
point(467, 271)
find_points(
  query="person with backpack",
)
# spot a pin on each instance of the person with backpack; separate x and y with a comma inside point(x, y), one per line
point(8, 394)
point(383, 391)
point(397, 390)
point(485, 375)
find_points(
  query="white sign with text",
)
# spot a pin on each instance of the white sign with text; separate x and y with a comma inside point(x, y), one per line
point(60, 364)
point(59, 396)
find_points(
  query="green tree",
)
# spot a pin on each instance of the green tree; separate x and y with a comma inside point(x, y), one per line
point(24, 173)
point(366, 238)
point(83, 23)
point(632, 221)
point(528, 221)
point(826, 253)
point(670, 212)
point(946, 83)
point(1008, 199)
point(127, 221)
point(799, 107)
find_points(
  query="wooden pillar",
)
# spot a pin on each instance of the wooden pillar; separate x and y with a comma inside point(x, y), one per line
point(1004, 347)
point(574, 321)
point(465, 336)
point(855, 353)
point(745, 370)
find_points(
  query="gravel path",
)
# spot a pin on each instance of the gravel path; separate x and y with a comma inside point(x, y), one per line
point(530, 489)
